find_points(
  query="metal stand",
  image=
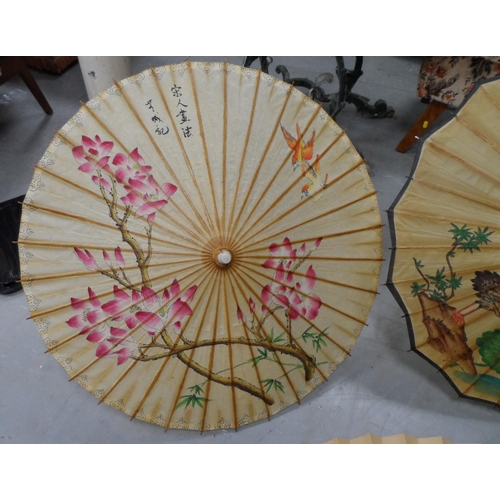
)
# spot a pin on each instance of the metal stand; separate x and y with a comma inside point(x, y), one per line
point(336, 100)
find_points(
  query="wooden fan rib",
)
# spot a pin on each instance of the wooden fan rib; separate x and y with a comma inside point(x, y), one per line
point(284, 193)
point(460, 119)
point(491, 246)
point(413, 215)
point(243, 158)
point(127, 151)
point(167, 164)
point(241, 247)
point(455, 270)
point(299, 205)
point(459, 194)
point(432, 144)
point(264, 154)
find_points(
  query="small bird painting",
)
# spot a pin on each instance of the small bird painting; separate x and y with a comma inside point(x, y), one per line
point(302, 153)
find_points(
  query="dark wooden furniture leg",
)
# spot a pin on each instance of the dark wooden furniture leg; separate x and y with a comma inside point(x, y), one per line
point(431, 113)
point(12, 66)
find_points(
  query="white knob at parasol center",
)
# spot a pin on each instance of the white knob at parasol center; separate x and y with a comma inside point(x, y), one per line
point(224, 257)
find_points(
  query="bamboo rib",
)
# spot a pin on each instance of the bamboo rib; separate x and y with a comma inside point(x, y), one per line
point(205, 152)
point(299, 205)
point(132, 365)
point(127, 250)
point(71, 144)
point(230, 354)
point(327, 236)
point(222, 229)
point(237, 233)
point(101, 295)
point(123, 207)
point(212, 350)
point(184, 153)
point(303, 317)
point(318, 278)
point(243, 157)
point(130, 333)
point(157, 375)
point(81, 218)
point(258, 168)
point(100, 271)
point(241, 246)
point(60, 344)
point(284, 193)
point(245, 329)
point(266, 335)
point(261, 257)
point(239, 272)
point(485, 90)
point(166, 163)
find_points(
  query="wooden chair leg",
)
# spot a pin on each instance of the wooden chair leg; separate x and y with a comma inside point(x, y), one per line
point(431, 113)
point(30, 82)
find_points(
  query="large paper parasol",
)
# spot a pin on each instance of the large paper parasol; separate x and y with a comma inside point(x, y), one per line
point(200, 246)
point(446, 234)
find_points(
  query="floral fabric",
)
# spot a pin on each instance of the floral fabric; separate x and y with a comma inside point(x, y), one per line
point(449, 79)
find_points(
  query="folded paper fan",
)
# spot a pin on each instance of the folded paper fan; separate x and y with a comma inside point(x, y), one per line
point(446, 238)
point(396, 439)
point(200, 246)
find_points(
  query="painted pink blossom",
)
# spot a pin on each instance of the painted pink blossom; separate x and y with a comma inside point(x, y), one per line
point(163, 310)
point(286, 254)
point(90, 318)
point(148, 196)
point(124, 306)
point(93, 154)
point(129, 167)
point(117, 343)
point(87, 258)
point(293, 296)
point(240, 316)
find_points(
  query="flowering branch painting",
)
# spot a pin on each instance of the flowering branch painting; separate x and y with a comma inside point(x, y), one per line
point(114, 325)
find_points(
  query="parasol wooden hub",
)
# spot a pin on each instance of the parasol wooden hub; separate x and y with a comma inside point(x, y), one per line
point(224, 257)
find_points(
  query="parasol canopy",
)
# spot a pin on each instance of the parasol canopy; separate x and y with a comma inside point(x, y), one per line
point(200, 246)
point(445, 269)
